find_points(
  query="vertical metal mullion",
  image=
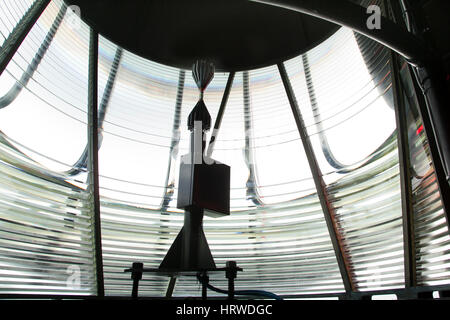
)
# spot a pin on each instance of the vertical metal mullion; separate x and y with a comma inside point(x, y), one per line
point(20, 31)
point(342, 257)
point(93, 180)
point(405, 176)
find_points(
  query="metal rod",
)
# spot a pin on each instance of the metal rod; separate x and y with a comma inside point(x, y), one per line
point(20, 31)
point(338, 242)
point(405, 176)
point(171, 287)
point(231, 274)
point(15, 90)
point(204, 281)
point(136, 274)
point(354, 16)
point(93, 180)
point(218, 122)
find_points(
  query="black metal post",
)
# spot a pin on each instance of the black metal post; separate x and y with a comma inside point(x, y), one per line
point(204, 279)
point(136, 274)
point(231, 274)
point(93, 181)
point(342, 257)
point(20, 31)
point(171, 287)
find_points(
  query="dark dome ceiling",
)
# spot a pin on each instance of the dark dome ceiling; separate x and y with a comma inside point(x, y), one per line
point(234, 34)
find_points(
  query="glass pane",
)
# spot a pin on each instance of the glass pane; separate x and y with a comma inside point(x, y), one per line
point(432, 240)
point(46, 224)
point(351, 125)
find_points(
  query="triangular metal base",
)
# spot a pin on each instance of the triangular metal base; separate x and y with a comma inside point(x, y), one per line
point(183, 255)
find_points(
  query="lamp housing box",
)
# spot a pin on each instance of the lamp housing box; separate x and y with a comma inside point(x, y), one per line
point(205, 186)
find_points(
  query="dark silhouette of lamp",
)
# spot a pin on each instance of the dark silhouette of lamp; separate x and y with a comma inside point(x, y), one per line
point(204, 188)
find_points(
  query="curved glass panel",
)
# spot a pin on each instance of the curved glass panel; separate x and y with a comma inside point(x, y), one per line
point(56, 94)
point(432, 240)
point(46, 241)
point(350, 120)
